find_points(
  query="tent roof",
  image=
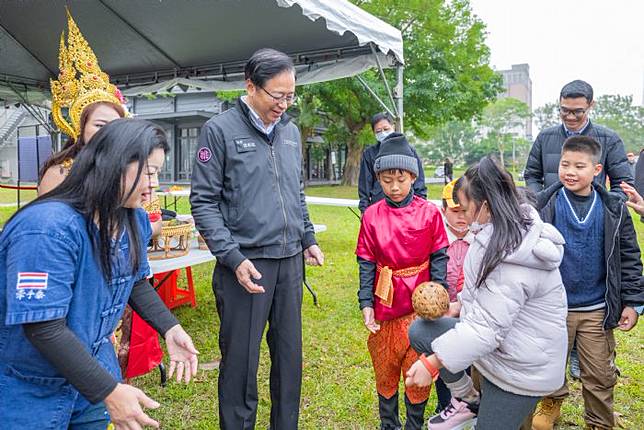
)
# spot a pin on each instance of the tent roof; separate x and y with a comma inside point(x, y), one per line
point(144, 42)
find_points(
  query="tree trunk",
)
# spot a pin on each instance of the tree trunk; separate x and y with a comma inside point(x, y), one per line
point(305, 133)
point(352, 164)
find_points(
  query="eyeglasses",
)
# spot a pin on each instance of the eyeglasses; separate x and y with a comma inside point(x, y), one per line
point(288, 98)
point(578, 113)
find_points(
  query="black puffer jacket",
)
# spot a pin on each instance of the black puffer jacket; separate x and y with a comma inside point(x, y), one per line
point(623, 264)
point(542, 166)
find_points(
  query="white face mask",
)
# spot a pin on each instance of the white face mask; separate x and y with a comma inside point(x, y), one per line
point(382, 135)
point(476, 226)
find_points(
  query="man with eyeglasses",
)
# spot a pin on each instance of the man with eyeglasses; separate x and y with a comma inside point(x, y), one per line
point(575, 104)
point(248, 204)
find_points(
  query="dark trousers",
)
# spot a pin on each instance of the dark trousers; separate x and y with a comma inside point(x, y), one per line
point(243, 317)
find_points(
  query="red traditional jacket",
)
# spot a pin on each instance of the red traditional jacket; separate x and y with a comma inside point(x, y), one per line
point(402, 240)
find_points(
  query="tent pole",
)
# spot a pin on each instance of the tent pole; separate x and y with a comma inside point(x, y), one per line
point(398, 96)
point(384, 78)
point(378, 99)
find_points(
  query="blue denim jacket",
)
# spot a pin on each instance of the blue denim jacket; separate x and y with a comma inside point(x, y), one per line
point(48, 271)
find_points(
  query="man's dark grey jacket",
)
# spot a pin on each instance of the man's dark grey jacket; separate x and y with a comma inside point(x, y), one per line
point(247, 192)
point(542, 167)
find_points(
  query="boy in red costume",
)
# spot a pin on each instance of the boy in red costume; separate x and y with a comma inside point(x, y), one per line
point(402, 243)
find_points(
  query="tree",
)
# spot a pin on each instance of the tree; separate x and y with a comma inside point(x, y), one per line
point(454, 139)
point(618, 113)
point(504, 122)
point(547, 115)
point(447, 75)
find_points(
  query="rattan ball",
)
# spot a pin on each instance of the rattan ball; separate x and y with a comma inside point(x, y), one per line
point(430, 300)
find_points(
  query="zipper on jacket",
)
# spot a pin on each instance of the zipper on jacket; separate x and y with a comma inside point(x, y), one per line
point(610, 254)
point(279, 191)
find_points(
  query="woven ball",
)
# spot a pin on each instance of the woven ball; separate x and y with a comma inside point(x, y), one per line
point(430, 300)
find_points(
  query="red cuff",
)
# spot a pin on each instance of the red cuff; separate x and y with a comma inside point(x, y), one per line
point(154, 217)
point(428, 365)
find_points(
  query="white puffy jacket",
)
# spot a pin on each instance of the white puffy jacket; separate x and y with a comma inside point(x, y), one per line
point(513, 328)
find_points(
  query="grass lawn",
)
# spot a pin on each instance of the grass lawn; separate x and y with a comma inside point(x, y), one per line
point(338, 389)
point(9, 196)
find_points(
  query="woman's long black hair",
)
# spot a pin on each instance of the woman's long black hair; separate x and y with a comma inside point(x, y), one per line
point(488, 182)
point(95, 184)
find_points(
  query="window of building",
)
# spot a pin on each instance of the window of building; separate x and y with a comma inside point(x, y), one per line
point(187, 146)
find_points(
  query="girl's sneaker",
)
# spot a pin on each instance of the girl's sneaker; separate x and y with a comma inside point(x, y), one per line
point(458, 415)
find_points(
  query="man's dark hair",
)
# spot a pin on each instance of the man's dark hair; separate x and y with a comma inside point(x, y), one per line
point(266, 64)
point(379, 117)
point(575, 89)
point(585, 144)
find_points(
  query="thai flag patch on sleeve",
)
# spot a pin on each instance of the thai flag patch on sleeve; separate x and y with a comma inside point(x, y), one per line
point(31, 285)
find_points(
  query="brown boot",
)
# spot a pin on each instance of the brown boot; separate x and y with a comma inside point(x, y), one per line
point(546, 414)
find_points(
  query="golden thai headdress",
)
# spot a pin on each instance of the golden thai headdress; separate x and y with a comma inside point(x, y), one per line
point(80, 83)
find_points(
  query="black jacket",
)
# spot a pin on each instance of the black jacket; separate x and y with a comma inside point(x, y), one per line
point(247, 191)
point(623, 264)
point(369, 188)
point(542, 166)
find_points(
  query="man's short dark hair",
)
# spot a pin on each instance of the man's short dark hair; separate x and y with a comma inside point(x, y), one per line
point(577, 88)
point(266, 64)
point(585, 144)
point(379, 117)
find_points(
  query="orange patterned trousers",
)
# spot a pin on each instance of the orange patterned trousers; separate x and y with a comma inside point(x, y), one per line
point(392, 356)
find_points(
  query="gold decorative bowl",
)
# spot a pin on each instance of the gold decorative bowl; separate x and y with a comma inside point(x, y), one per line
point(174, 240)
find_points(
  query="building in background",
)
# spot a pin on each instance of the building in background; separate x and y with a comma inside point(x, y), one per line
point(15, 121)
point(517, 84)
point(183, 112)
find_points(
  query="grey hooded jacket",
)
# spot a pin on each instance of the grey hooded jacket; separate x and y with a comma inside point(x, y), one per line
point(247, 192)
point(513, 327)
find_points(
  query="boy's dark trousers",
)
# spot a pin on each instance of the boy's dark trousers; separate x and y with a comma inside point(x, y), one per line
point(389, 417)
point(596, 349)
point(243, 317)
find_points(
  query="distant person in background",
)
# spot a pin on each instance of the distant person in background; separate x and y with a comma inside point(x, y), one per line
point(369, 188)
point(448, 170)
point(631, 162)
point(575, 104)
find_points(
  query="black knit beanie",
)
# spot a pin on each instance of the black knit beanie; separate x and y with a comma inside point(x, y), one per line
point(395, 153)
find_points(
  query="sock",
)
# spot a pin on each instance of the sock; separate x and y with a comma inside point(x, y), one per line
point(464, 389)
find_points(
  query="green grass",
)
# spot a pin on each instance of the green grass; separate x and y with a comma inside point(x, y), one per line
point(10, 196)
point(338, 389)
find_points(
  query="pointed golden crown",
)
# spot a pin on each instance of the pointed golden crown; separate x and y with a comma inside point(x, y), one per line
point(80, 83)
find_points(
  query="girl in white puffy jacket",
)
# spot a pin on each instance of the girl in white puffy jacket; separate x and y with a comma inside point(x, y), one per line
point(512, 324)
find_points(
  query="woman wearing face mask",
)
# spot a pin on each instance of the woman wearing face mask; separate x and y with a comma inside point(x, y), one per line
point(71, 260)
point(369, 188)
point(512, 324)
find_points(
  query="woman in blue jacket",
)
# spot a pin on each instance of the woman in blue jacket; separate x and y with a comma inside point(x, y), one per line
point(70, 261)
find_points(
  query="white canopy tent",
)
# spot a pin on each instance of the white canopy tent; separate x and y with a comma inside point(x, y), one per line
point(151, 45)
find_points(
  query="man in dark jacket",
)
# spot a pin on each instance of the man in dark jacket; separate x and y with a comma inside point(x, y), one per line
point(369, 189)
point(248, 204)
point(575, 103)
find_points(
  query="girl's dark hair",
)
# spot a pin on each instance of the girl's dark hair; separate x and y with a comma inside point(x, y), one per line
point(72, 147)
point(95, 184)
point(266, 64)
point(488, 182)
